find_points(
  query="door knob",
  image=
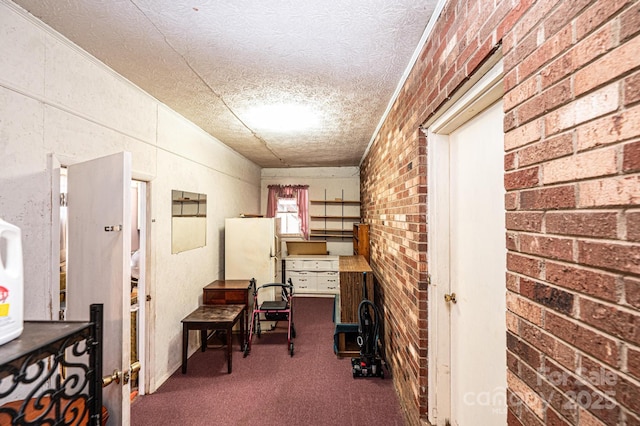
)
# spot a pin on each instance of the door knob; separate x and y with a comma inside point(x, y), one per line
point(450, 298)
point(114, 377)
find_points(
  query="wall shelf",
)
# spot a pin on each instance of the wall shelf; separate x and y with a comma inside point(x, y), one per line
point(332, 221)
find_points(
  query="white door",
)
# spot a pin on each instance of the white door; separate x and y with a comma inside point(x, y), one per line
point(477, 268)
point(99, 267)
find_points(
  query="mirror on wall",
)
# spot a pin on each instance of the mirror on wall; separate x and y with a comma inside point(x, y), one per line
point(188, 220)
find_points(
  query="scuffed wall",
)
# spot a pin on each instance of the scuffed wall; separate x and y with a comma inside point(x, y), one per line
point(56, 100)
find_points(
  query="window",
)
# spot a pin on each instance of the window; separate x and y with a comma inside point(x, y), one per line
point(287, 212)
point(290, 203)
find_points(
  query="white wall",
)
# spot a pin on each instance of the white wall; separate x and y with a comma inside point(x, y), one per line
point(56, 99)
point(332, 182)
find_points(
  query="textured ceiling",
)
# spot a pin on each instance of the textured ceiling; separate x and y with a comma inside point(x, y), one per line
point(214, 60)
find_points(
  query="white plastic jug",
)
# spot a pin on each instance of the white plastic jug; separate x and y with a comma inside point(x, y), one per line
point(11, 282)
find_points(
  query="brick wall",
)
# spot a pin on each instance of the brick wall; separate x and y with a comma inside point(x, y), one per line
point(572, 176)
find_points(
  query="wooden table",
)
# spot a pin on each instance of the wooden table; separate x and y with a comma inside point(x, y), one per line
point(351, 269)
point(212, 317)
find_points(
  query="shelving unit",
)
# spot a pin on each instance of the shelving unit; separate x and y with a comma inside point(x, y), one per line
point(333, 222)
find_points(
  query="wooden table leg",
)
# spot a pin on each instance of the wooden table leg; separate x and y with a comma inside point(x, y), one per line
point(185, 345)
point(243, 337)
point(229, 336)
point(203, 338)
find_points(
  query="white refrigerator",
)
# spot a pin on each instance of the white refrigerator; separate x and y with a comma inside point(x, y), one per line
point(252, 250)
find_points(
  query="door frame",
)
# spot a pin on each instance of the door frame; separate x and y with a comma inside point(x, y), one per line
point(487, 90)
point(55, 162)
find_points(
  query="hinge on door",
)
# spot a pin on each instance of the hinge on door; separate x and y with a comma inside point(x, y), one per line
point(63, 199)
point(428, 279)
point(148, 298)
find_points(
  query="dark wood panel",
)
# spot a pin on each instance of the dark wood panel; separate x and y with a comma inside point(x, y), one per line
point(351, 294)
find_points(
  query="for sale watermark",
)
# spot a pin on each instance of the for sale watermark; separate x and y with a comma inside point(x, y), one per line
point(589, 389)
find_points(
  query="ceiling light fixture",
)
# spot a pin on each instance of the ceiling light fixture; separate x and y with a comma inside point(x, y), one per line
point(282, 117)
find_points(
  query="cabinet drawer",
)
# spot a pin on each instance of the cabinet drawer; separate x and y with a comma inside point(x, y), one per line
point(303, 284)
point(328, 274)
point(222, 297)
point(328, 285)
point(290, 264)
point(301, 274)
point(320, 265)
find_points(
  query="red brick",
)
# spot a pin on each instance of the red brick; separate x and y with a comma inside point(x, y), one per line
point(523, 221)
point(509, 161)
point(633, 362)
point(616, 191)
point(563, 15)
point(549, 247)
point(548, 296)
point(593, 46)
point(547, 100)
point(630, 22)
point(523, 48)
point(552, 47)
point(611, 319)
point(515, 13)
point(547, 149)
point(633, 225)
point(523, 135)
point(554, 419)
point(596, 15)
point(511, 201)
point(490, 25)
point(510, 79)
point(558, 69)
point(617, 62)
point(558, 197)
point(596, 284)
point(595, 374)
point(632, 291)
point(586, 108)
point(523, 178)
point(512, 241)
point(610, 129)
point(509, 122)
point(598, 224)
point(628, 394)
point(524, 265)
point(512, 419)
point(524, 351)
point(631, 157)
point(619, 257)
point(523, 91)
point(534, 16)
point(631, 87)
point(588, 164)
point(595, 344)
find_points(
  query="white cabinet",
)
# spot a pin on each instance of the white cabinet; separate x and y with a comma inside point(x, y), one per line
point(313, 274)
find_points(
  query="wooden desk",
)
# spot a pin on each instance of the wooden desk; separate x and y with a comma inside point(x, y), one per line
point(228, 292)
point(212, 317)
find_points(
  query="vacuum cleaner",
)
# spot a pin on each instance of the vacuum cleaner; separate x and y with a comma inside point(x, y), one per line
point(369, 363)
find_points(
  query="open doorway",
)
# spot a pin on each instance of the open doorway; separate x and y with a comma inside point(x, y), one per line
point(138, 272)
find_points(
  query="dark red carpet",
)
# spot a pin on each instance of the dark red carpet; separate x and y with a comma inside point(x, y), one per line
point(269, 387)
